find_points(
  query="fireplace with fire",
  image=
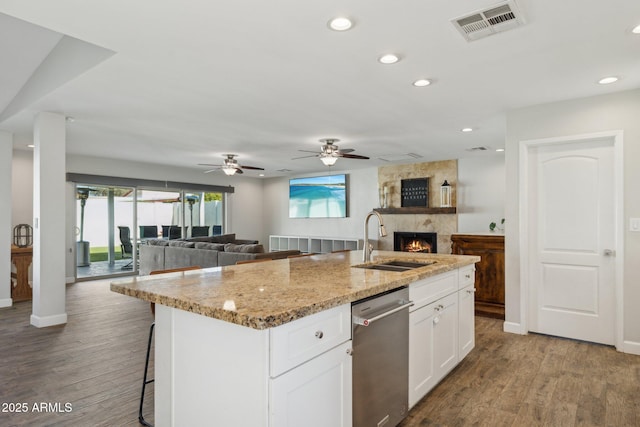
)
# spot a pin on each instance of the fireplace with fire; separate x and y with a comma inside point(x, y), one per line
point(415, 242)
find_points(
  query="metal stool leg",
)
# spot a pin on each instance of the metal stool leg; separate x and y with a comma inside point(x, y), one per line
point(144, 380)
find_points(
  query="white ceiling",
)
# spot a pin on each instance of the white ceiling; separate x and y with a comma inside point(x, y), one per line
point(192, 80)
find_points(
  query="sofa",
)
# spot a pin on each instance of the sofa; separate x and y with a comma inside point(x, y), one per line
point(210, 251)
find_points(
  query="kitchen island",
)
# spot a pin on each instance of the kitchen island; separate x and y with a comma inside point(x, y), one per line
point(267, 344)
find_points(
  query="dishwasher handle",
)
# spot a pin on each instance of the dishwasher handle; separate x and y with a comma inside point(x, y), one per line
point(366, 322)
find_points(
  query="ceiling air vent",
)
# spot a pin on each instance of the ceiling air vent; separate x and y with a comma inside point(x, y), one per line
point(478, 148)
point(399, 157)
point(482, 23)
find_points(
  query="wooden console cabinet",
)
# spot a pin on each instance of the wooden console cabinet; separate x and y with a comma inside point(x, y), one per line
point(489, 271)
point(21, 258)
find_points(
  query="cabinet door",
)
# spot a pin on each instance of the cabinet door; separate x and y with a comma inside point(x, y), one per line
point(421, 366)
point(445, 322)
point(466, 319)
point(433, 345)
point(315, 394)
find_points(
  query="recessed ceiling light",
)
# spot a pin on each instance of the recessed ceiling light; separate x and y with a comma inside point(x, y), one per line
point(389, 58)
point(636, 30)
point(340, 24)
point(31, 146)
point(261, 174)
point(608, 80)
point(499, 150)
point(466, 130)
point(422, 83)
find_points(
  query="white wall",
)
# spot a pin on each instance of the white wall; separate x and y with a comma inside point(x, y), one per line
point(22, 188)
point(618, 111)
point(480, 196)
point(6, 228)
point(362, 197)
point(480, 192)
point(259, 207)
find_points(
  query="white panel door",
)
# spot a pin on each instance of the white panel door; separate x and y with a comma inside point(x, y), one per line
point(571, 240)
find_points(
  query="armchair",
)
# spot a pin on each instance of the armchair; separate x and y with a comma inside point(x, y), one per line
point(147, 231)
point(200, 231)
point(126, 247)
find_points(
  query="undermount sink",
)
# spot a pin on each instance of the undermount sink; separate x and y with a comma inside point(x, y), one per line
point(398, 266)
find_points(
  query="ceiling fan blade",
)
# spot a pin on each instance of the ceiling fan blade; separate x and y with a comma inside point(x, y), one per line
point(308, 151)
point(345, 150)
point(212, 170)
point(252, 167)
point(207, 164)
point(353, 156)
point(305, 157)
point(238, 170)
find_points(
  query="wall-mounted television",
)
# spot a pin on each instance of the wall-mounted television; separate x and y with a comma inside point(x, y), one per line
point(318, 197)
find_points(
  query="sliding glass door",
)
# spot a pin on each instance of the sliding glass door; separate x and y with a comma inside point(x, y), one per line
point(112, 222)
point(204, 213)
point(104, 231)
point(159, 214)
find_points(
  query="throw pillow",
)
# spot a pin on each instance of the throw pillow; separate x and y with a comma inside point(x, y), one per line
point(225, 238)
point(245, 249)
point(157, 242)
point(210, 246)
point(181, 244)
point(205, 239)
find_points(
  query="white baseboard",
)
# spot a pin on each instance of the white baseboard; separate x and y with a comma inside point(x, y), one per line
point(513, 328)
point(7, 302)
point(43, 322)
point(631, 347)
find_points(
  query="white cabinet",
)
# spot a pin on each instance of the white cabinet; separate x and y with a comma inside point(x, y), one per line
point(212, 372)
point(466, 320)
point(315, 394)
point(294, 343)
point(433, 345)
point(311, 371)
point(441, 328)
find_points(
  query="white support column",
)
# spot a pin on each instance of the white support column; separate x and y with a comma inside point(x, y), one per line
point(6, 156)
point(49, 220)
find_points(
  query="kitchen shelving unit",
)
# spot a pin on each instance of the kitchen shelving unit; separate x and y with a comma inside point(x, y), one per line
point(312, 244)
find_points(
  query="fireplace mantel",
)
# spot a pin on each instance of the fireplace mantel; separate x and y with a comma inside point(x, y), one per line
point(415, 210)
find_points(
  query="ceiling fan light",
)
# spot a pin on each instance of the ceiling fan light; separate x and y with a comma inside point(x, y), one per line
point(229, 170)
point(328, 160)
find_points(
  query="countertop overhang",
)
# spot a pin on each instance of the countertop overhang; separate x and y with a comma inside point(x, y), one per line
point(268, 294)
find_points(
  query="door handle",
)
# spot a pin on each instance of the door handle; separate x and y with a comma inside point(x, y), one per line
point(366, 322)
point(609, 252)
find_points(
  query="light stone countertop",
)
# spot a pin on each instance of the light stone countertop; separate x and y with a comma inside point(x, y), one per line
point(268, 294)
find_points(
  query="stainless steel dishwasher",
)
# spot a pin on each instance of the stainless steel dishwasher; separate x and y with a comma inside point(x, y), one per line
point(381, 359)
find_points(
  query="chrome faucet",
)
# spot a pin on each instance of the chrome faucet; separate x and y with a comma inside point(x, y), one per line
point(368, 247)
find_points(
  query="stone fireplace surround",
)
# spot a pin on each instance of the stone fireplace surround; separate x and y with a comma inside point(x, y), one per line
point(443, 224)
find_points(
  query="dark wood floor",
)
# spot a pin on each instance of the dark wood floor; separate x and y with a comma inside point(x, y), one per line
point(534, 380)
point(95, 362)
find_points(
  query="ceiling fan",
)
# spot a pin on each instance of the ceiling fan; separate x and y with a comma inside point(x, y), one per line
point(329, 153)
point(230, 166)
